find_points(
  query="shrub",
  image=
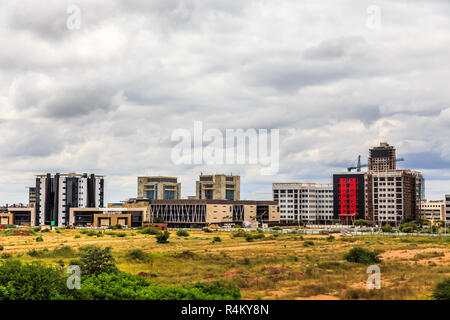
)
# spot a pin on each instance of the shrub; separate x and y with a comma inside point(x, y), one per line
point(39, 239)
point(1, 248)
point(95, 260)
point(361, 255)
point(216, 239)
point(150, 231)
point(64, 251)
point(121, 234)
point(38, 253)
point(182, 233)
point(162, 237)
point(45, 230)
point(36, 229)
point(33, 281)
point(308, 243)
point(442, 290)
point(138, 255)
point(116, 227)
point(6, 256)
point(10, 226)
point(361, 223)
point(77, 236)
point(408, 227)
point(330, 238)
point(386, 228)
point(276, 228)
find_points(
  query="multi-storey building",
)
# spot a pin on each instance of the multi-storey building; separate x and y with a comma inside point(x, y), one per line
point(447, 209)
point(382, 158)
point(394, 195)
point(304, 202)
point(159, 188)
point(57, 193)
point(32, 196)
point(349, 196)
point(432, 210)
point(218, 187)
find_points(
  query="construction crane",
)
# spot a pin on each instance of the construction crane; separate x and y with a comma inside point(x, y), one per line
point(359, 165)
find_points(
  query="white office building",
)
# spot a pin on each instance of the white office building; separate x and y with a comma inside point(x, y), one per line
point(304, 202)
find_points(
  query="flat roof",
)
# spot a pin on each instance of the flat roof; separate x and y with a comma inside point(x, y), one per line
point(203, 201)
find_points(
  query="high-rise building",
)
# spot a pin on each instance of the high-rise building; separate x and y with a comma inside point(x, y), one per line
point(159, 188)
point(57, 193)
point(432, 210)
point(349, 196)
point(218, 187)
point(393, 196)
point(382, 158)
point(304, 202)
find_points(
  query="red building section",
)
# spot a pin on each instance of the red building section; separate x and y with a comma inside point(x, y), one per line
point(348, 195)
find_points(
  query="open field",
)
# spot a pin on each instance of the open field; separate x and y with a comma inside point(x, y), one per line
point(279, 266)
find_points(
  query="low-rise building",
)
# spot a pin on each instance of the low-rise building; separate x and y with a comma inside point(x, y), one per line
point(18, 215)
point(106, 217)
point(432, 210)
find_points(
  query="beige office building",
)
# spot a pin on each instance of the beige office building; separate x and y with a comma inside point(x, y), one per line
point(218, 187)
point(159, 188)
point(432, 210)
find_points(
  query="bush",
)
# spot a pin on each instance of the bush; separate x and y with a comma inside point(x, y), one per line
point(150, 231)
point(361, 223)
point(162, 237)
point(216, 239)
point(138, 255)
point(116, 227)
point(1, 248)
point(276, 228)
point(308, 243)
point(409, 227)
point(330, 238)
point(386, 228)
point(39, 239)
point(10, 226)
point(33, 281)
point(442, 290)
point(182, 233)
point(36, 229)
point(95, 260)
point(361, 255)
point(45, 230)
point(77, 236)
point(6, 256)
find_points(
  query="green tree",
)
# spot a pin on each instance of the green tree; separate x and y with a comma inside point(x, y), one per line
point(361, 223)
point(95, 260)
point(361, 255)
point(442, 290)
point(162, 237)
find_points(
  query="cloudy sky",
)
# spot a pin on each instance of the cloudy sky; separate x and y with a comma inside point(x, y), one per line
point(102, 91)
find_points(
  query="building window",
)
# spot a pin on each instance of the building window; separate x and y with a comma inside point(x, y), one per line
point(230, 194)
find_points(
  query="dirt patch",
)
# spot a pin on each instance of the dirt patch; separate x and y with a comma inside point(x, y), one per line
point(318, 297)
point(409, 255)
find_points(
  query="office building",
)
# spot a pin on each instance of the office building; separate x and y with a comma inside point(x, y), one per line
point(382, 158)
point(304, 202)
point(57, 193)
point(349, 192)
point(393, 196)
point(106, 217)
point(32, 196)
point(159, 188)
point(447, 208)
point(18, 215)
point(218, 187)
point(432, 210)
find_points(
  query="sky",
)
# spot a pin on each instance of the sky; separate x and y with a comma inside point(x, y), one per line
point(100, 86)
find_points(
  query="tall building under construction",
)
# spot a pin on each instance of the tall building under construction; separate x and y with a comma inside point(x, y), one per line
point(382, 158)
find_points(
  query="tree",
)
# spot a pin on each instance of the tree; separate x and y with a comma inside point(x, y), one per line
point(386, 228)
point(361, 223)
point(95, 260)
point(361, 255)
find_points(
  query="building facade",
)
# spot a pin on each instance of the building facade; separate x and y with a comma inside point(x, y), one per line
point(57, 193)
point(159, 188)
point(393, 196)
point(18, 215)
point(32, 196)
point(304, 202)
point(447, 209)
point(432, 210)
point(382, 158)
point(349, 196)
point(106, 217)
point(218, 187)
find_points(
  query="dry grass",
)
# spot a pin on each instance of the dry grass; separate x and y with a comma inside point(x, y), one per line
point(272, 268)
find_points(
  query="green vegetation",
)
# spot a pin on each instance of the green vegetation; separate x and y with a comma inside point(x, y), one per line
point(182, 233)
point(94, 260)
point(386, 228)
point(361, 255)
point(162, 237)
point(442, 290)
point(409, 227)
point(138, 255)
point(361, 223)
point(150, 231)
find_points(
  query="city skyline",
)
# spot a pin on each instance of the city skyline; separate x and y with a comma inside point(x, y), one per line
point(105, 96)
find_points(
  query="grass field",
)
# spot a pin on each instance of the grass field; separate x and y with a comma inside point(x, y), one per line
point(281, 266)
